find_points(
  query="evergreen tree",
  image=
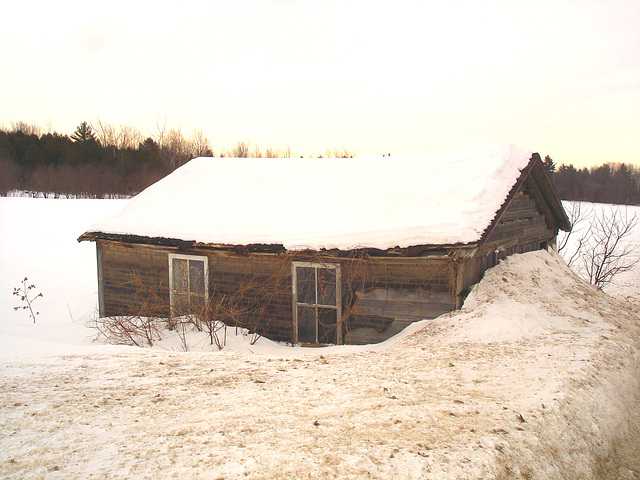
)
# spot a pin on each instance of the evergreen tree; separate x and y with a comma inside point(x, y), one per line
point(549, 164)
point(83, 134)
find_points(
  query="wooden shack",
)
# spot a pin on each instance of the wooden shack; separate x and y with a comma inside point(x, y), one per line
point(323, 251)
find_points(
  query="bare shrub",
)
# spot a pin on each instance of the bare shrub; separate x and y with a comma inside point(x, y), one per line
point(145, 322)
point(602, 247)
point(254, 299)
point(128, 330)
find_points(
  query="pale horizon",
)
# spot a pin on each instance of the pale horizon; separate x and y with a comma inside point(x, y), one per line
point(402, 77)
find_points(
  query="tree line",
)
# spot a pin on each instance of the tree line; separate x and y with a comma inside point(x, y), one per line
point(615, 183)
point(103, 160)
point(100, 159)
point(82, 164)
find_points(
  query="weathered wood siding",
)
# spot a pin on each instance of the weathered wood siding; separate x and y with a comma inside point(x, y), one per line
point(381, 296)
point(265, 283)
point(397, 292)
point(124, 271)
point(129, 274)
point(522, 228)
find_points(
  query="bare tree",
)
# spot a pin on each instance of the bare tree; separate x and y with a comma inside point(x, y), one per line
point(199, 145)
point(241, 150)
point(175, 149)
point(106, 133)
point(129, 137)
point(610, 252)
point(26, 128)
point(10, 177)
point(161, 130)
point(278, 152)
point(337, 152)
point(256, 152)
point(603, 247)
point(122, 137)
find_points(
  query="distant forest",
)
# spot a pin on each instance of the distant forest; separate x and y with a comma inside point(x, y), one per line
point(617, 183)
point(101, 160)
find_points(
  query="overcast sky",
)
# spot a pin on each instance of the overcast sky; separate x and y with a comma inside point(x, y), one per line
point(558, 77)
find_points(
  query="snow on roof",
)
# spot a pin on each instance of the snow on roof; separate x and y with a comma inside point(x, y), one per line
point(345, 203)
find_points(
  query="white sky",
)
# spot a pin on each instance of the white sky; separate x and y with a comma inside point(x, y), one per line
point(557, 77)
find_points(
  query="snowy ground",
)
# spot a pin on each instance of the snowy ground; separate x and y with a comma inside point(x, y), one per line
point(537, 377)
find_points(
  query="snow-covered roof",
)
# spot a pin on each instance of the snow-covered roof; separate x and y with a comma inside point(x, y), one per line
point(344, 203)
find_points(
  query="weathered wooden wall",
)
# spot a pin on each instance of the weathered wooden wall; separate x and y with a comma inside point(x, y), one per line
point(380, 296)
point(125, 270)
point(521, 227)
point(397, 292)
point(265, 280)
point(128, 273)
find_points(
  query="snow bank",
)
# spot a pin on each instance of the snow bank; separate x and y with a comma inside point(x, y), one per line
point(495, 310)
point(326, 203)
point(537, 377)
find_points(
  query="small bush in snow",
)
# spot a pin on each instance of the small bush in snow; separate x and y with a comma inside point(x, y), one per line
point(27, 297)
point(128, 330)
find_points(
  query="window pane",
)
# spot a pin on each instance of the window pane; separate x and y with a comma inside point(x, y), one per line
point(327, 325)
point(180, 279)
point(196, 277)
point(306, 324)
point(326, 286)
point(306, 284)
point(180, 304)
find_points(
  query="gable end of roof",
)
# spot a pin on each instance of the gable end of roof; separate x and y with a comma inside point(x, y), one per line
point(536, 177)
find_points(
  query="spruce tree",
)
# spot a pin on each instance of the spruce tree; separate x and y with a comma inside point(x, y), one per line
point(83, 134)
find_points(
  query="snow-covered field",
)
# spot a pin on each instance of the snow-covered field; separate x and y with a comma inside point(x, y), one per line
point(537, 377)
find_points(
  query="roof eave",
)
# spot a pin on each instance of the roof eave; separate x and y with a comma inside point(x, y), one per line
point(410, 251)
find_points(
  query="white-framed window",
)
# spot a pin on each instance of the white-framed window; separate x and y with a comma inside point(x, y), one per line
point(188, 284)
point(317, 302)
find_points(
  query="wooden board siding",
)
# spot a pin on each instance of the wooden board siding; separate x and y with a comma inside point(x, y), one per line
point(388, 294)
point(130, 271)
point(398, 292)
point(267, 280)
point(125, 270)
point(522, 227)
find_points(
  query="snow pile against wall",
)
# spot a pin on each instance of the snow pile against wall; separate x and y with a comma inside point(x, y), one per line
point(326, 203)
point(525, 299)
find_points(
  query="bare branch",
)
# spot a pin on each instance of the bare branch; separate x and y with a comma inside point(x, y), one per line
point(604, 248)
